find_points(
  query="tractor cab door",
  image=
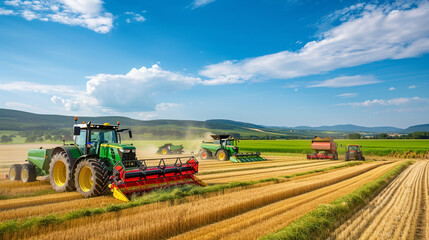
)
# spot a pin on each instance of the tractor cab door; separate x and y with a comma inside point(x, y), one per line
point(80, 141)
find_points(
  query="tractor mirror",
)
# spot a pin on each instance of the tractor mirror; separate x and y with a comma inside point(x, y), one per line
point(130, 133)
point(76, 130)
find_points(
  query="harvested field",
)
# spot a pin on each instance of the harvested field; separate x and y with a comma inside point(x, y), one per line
point(398, 212)
point(144, 222)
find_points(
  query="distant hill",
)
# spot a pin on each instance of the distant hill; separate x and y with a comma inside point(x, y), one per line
point(417, 128)
point(352, 128)
point(13, 120)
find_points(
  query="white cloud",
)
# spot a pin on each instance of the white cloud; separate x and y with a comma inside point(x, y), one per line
point(395, 101)
point(6, 12)
point(200, 3)
point(84, 13)
point(137, 88)
point(412, 86)
point(148, 115)
point(132, 92)
point(392, 89)
point(166, 106)
point(369, 34)
point(39, 88)
point(347, 95)
point(136, 17)
point(346, 81)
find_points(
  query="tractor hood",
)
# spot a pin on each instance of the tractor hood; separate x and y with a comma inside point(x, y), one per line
point(119, 146)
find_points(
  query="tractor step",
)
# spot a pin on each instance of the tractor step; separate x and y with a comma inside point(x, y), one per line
point(151, 174)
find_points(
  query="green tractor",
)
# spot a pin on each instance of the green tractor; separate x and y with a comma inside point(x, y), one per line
point(224, 148)
point(169, 148)
point(97, 159)
point(353, 152)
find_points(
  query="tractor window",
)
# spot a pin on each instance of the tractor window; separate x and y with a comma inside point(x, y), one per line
point(99, 136)
point(80, 140)
point(103, 136)
point(353, 148)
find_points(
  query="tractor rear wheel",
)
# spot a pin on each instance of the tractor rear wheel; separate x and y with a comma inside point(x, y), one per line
point(60, 173)
point(91, 177)
point(222, 155)
point(206, 154)
point(15, 172)
point(28, 173)
point(347, 156)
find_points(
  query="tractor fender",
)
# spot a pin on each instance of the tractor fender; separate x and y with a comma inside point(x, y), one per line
point(67, 151)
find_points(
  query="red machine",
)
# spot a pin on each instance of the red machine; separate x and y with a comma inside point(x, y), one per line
point(149, 174)
point(325, 148)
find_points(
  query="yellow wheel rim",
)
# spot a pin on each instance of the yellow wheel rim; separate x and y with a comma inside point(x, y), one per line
point(24, 175)
point(164, 151)
point(12, 174)
point(60, 173)
point(85, 181)
point(221, 156)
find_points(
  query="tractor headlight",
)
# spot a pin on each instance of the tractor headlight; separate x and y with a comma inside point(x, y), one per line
point(124, 150)
point(133, 150)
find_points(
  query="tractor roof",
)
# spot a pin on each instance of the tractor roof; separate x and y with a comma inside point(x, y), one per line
point(97, 126)
point(219, 137)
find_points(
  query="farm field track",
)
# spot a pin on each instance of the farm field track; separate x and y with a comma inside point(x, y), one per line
point(261, 221)
point(13, 188)
point(145, 222)
point(398, 212)
point(258, 174)
point(57, 207)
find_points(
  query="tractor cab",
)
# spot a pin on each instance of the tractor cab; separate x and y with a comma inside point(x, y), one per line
point(353, 148)
point(89, 137)
point(225, 141)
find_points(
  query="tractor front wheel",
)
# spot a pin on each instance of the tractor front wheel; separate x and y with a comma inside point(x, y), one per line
point(60, 174)
point(222, 155)
point(15, 172)
point(91, 177)
point(347, 156)
point(164, 151)
point(28, 173)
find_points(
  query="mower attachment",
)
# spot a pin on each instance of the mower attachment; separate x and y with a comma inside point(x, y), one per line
point(144, 175)
point(246, 157)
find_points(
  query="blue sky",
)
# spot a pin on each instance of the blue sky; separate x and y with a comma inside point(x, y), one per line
point(282, 63)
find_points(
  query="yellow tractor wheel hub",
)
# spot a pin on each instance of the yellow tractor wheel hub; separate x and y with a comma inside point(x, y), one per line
point(221, 156)
point(60, 173)
point(24, 175)
point(164, 151)
point(85, 179)
point(12, 173)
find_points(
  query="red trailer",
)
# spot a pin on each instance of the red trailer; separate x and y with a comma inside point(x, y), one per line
point(325, 148)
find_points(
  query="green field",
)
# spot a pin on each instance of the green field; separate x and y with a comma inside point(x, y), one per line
point(379, 147)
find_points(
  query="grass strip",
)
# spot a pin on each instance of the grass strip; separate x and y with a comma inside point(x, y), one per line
point(319, 222)
point(254, 168)
point(38, 193)
point(160, 195)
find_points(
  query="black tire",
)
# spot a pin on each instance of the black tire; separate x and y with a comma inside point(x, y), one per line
point(363, 158)
point(222, 155)
point(60, 173)
point(335, 156)
point(28, 173)
point(347, 156)
point(15, 172)
point(205, 154)
point(91, 177)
